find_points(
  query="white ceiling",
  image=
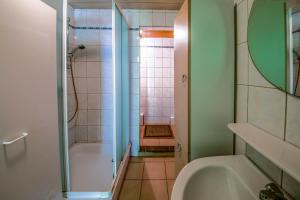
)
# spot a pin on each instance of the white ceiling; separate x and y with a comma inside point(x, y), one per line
point(129, 4)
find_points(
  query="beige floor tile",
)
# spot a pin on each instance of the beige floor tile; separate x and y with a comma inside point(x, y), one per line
point(153, 159)
point(130, 190)
point(170, 159)
point(154, 190)
point(154, 170)
point(136, 159)
point(170, 169)
point(135, 171)
point(170, 187)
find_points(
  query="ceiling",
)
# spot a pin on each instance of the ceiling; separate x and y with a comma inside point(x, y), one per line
point(129, 4)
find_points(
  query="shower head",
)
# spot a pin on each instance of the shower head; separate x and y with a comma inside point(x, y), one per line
point(81, 47)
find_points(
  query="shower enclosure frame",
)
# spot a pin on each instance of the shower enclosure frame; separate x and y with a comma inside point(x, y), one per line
point(64, 150)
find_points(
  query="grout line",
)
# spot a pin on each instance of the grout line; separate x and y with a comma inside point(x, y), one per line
point(142, 180)
point(166, 179)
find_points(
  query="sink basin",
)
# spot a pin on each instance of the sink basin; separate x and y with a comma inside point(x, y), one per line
point(216, 178)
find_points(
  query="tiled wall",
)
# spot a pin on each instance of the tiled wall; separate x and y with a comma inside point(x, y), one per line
point(157, 80)
point(137, 18)
point(93, 77)
point(264, 106)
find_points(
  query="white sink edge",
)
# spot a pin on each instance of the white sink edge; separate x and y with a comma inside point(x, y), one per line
point(250, 176)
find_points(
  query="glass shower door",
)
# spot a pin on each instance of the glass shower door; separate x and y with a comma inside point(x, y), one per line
point(121, 86)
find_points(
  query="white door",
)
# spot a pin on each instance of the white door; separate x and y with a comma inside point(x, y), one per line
point(30, 167)
point(181, 42)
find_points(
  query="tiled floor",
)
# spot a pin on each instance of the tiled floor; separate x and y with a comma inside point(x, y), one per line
point(149, 179)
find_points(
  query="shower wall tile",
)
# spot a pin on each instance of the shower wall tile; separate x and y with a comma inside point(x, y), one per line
point(81, 134)
point(105, 17)
point(81, 85)
point(93, 85)
point(80, 69)
point(94, 117)
point(82, 101)
point(94, 134)
point(71, 136)
point(107, 100)
point(93, 72)
point(94, 101)
point(93, 69)
point(82, 117)
point(106, 37)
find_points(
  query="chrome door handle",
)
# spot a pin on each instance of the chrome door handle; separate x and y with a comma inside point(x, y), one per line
point(178, 147)
point(184, 77)
point(11, 141)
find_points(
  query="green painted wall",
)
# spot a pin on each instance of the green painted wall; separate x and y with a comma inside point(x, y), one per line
point(211, 77)
point(267, 40)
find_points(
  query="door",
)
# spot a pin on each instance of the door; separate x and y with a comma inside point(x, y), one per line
point(181, 40)
point(29, 167)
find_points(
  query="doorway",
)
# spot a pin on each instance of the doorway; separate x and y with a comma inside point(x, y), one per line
point(157, 121)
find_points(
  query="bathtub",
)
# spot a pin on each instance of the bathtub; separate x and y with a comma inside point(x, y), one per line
point(91, 167)
point(215, 178)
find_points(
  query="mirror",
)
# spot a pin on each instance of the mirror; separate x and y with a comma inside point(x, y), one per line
point(274, 42)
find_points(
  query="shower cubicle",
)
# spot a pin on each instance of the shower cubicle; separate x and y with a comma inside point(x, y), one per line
point(97, 98)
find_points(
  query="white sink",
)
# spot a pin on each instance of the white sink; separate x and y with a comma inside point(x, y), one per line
point(216, 178)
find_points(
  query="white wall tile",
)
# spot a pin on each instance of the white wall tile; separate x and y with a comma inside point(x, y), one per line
point(81, 134)
point(82, 101)
point(159, 18)
point(93, 85)
point(79, 69)
point(94, 101)
point(81, 85)
point(293, 120)
point(267, 110)
point(291, 186)
point(273, 171)
point(170, 18)
point(93, 69)
point(255, 78)
point(242, 64)
point(146, 18)
point(94, 134)
point(106, 101)
point(106, 117)
point(94, 117)
point(133, 18)
point(81, 117)
point(242, 22)
point(242, 103)
point(105, 17)
point(134, 39)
